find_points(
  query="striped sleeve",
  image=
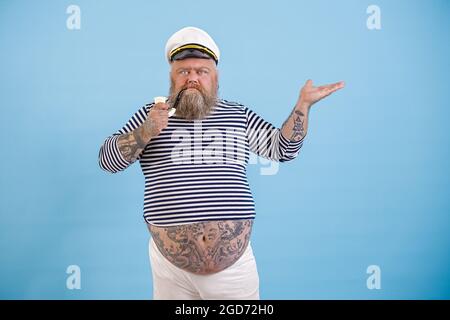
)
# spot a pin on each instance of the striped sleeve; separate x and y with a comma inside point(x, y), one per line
point(266, 141)
point(110, 158)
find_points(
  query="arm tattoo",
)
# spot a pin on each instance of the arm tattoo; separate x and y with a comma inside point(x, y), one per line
point(132, 144)
point(298, 131)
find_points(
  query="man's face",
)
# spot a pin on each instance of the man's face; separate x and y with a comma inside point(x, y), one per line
point(199, 78)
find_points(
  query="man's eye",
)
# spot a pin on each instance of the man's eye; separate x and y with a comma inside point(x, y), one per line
point(203, 71)
point(184, 72)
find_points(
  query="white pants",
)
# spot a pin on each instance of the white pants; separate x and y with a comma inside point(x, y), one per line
point(239, 281)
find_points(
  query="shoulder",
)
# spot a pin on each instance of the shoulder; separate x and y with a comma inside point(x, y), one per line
point(141, 114)
point(232, 105)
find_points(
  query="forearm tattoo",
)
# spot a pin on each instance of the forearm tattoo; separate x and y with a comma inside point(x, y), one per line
point(132, 144)
point(298, 131)
point(204, 247)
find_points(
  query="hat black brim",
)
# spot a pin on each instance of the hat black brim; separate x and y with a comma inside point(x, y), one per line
point(191, 53)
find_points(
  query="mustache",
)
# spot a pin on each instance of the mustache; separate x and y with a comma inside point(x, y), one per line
point(183, 89)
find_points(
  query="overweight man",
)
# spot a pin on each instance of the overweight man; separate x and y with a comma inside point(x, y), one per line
point(193, 148)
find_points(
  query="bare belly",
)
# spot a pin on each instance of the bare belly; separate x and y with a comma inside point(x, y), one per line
point(204, 247)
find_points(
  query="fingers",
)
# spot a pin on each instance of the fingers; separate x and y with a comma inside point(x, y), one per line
point(160, 117)
point(332, 85)
point(338, 85)
point(161, 106)
point(163, 113)
point(158, 113)
point(325, 89)
point(330, 88)
point(163, 123)
point(159, 123)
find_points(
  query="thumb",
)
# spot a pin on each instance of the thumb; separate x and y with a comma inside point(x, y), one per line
point(308, 83)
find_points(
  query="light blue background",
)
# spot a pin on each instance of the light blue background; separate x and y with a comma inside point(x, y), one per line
point(370, 187)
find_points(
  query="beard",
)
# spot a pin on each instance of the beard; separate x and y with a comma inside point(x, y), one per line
point(195, 103)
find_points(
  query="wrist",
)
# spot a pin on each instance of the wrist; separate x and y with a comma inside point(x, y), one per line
point(147, 130)
point(303, 106)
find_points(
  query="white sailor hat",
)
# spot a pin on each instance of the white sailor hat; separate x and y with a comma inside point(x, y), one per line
point(191, 42)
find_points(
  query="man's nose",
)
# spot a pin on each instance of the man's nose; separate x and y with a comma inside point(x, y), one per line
point(192, 78)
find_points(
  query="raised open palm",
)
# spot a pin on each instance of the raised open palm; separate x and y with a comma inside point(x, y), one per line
point(310, 94)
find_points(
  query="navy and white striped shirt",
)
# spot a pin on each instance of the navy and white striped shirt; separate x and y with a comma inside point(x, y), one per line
point(196, 170)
